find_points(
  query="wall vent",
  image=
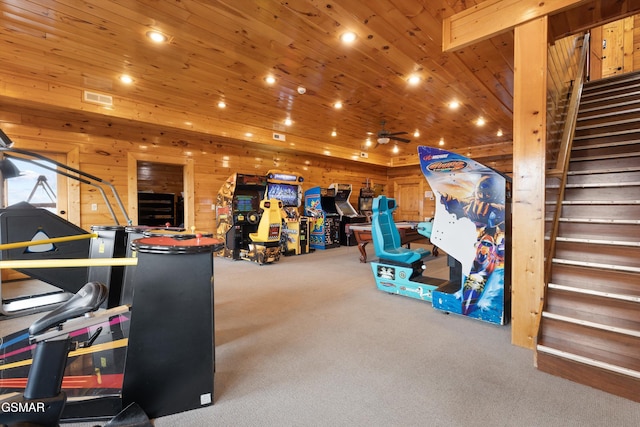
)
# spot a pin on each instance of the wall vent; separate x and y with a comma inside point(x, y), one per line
point(98, 98)
point(279, 136)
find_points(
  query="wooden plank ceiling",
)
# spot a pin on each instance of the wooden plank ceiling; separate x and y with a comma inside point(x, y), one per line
point(53, 51)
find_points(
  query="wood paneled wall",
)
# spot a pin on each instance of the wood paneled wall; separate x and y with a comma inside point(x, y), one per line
point(105, 154)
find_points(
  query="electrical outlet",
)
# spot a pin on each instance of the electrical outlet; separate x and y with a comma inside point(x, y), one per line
point(94, 207)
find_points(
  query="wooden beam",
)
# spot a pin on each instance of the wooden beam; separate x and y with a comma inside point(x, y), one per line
point(492, 17)
point(529, 142)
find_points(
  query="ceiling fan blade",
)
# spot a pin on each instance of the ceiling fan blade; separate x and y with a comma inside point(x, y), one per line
point(397, 133)
point(395, 138)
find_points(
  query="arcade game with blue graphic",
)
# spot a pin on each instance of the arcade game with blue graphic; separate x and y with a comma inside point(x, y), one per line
point(399, 270)
point(320, 207)
point(472, 225)
point(287, 187)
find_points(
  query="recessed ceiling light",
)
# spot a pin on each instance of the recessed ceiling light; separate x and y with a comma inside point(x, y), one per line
point(348, 37)
point(334, 133)
point(481, 121)
point(337, 105)
point(396, 150)
point(368, 142)
point(287, 122)
point(441, 142)
point(413, 80)
point(222, 104)
point(270, 80)
point(126, 79)
point(454, 105)
point(499, 133)
point(248, 134)
point(416, 134)
point(156, 36)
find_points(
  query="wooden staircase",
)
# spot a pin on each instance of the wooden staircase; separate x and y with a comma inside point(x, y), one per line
point(590, 326)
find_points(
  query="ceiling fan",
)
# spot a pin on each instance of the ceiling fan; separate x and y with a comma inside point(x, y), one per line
point(384, 136)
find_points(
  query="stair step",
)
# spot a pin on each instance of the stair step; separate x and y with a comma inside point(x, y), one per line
point(605, 156)
point(603, 171)
point(595, 185)
point(598, 221)
point(589, 279)
point(589, 142)
point(589, 361)
point(611, 295)
point(607, 131)
point(596, 88)
point(596, 202)
point(619, 98)
point(597, 241)
point(597, 265)
point(602, 115)
point(593, 376)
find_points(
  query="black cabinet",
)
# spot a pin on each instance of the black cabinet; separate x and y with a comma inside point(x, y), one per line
point(156, 209)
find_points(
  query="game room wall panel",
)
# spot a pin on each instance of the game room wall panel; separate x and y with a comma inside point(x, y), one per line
point(104, 154)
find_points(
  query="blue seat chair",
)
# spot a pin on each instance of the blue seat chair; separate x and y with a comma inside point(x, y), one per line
point(385, 235)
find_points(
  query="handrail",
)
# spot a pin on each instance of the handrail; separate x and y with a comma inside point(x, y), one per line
point(562, 165)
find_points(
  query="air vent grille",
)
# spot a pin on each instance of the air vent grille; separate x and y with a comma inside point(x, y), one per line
point(98, 98)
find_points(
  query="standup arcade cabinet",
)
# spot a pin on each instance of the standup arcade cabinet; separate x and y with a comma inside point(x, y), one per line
point(320, 207)
point(238, 212)
point(287, 187)
point(472, 225)
point(348, 214)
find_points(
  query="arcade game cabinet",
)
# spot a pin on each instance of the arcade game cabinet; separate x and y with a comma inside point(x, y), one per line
point(348, 215)
point(287, 187)
point(249, 225)
point(471, 224)
point(320, 207)
point(399, 270)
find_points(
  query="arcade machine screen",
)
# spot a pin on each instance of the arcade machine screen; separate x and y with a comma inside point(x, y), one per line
point(328, 204)
point(286, 193)
point(347, 209)
point(366, 204)
point(246, 203)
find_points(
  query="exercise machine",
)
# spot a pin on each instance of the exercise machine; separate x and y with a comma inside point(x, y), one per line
point(165, 320)
point(43, 400)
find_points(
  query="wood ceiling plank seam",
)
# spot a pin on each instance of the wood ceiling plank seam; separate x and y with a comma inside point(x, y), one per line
point(372, 13)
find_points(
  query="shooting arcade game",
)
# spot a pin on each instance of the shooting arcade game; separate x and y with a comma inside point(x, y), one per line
point(348, 215)
point(320, 207)
point(287, 187)
point(472, 225)
point(249, 224)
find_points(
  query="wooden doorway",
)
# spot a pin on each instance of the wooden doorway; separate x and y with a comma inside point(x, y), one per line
point(615, 46)
point(409, 195)
point(185, 165)
point(160, 194)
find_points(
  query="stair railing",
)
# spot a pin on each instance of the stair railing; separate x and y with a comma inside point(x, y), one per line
point(562, 164)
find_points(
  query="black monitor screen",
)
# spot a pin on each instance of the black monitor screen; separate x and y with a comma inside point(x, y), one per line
point(286, 193)
point(366, 203)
